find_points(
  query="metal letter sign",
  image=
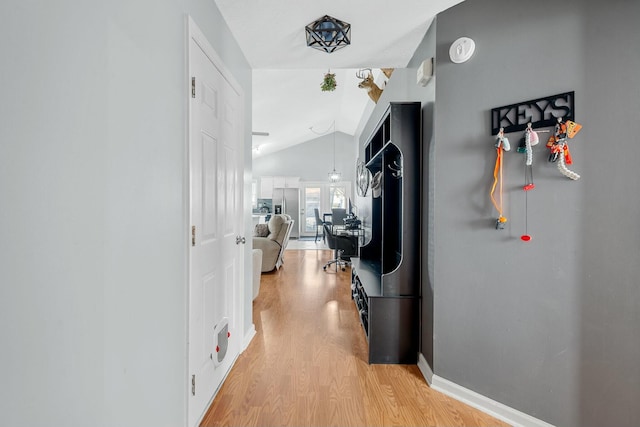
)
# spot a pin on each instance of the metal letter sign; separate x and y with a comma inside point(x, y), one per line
point(543, 112)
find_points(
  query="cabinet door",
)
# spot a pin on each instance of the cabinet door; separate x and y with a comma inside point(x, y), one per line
point(292, 182)
point(278, 181)
point(266, 187)
point(393, 332)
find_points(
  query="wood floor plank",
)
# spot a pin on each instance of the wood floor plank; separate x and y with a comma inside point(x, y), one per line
point(307, 364)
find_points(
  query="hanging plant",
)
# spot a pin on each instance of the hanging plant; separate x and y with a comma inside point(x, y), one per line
point(329, 82)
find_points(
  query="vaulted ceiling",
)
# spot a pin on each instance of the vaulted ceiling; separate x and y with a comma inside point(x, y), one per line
point(288, 103)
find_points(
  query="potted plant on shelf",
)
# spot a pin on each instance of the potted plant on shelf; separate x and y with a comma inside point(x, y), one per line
point(329, 82)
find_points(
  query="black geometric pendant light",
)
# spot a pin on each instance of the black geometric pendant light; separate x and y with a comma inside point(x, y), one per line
point(328, 34)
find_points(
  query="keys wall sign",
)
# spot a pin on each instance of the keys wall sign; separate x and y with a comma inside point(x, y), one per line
point(542, 112)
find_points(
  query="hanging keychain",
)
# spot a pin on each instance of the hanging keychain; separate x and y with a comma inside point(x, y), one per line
point(501, 145)
point(527, 143)
point(560, 150)
point(530, 140)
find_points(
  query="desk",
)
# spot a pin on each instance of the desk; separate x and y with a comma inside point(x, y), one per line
point(358, 232)
point(343, 229)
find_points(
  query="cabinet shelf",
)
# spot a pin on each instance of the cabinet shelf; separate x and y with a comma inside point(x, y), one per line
point(369, 276)
point(375, 163)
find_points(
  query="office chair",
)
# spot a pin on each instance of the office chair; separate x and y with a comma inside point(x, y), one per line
point(346, 245)
point(319, 223)
point(338, 216)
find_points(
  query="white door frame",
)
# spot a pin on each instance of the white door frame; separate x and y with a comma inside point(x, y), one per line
point(195, 34)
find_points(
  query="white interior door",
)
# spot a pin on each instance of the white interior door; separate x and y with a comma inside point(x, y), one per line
point(215, 257)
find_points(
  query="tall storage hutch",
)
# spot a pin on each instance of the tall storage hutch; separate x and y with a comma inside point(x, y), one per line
point(386, 275)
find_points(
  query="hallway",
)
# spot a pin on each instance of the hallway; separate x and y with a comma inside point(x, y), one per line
point(307, 366)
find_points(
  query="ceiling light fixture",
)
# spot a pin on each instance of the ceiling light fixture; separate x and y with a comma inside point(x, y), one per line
point(328, 34)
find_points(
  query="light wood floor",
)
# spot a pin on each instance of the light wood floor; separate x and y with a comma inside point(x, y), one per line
point(307, 364)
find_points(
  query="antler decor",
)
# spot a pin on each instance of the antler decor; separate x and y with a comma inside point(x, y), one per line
point(367, 83)
point(373, 90)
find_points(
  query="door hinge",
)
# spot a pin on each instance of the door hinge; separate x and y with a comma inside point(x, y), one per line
point(193, 87)
point(193, 385)
point(193, 235)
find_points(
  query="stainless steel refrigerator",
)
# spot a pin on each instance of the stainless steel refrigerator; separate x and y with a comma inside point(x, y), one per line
point(287, 201)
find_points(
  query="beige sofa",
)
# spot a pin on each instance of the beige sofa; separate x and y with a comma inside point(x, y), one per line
point(256, 255)
point(274, 244)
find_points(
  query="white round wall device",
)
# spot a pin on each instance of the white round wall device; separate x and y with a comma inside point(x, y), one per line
point(461, 50)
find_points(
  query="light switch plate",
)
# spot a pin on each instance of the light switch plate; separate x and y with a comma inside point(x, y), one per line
point(425, 72)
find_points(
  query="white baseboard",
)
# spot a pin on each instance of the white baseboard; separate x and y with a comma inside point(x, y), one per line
point(424, 367)
point(248, 337)
point(486, 405)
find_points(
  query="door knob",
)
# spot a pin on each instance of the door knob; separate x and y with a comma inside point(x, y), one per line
point(240, 239)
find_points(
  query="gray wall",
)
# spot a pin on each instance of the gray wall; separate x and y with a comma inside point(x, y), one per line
point(427, 95)
point(311, 160)
point(506, 312)
point(93, 186)
point(547, 327)
point(609, 298)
